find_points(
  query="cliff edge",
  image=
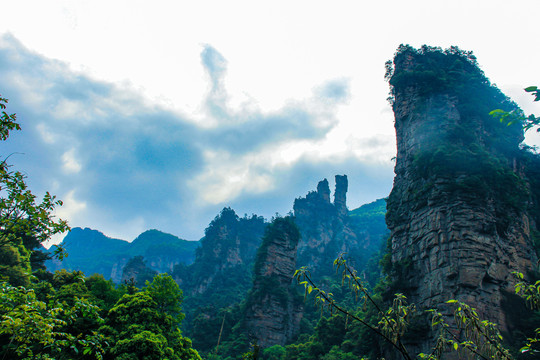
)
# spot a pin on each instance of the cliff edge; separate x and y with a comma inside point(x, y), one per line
point(460, 211)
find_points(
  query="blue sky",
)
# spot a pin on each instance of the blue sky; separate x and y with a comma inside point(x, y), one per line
point(145, 116)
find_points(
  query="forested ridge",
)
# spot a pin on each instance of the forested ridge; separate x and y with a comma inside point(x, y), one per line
point(322, 282)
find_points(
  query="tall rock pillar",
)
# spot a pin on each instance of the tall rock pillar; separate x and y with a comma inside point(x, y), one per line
point(274, 307)
point(459, 208)
point(323, 190)
point(340, 195)
point(325, 228)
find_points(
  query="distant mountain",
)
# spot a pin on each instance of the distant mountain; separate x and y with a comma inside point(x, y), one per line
point(163, 251)
point(217, 272)
point(92, 252)
point(369, 222)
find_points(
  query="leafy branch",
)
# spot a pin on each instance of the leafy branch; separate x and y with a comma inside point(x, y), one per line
point(514, 116)
point(8, 122)
point(470, 334)
point(482, 336)
point(21, 214)
point(531, 294)
point(389, 327)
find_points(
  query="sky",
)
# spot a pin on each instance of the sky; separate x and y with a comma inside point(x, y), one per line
point(156, 115)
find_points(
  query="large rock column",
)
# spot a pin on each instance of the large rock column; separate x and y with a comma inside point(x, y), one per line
point(458, 211)
point(274, 307)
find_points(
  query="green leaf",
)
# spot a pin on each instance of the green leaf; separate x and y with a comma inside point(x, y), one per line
point(531, 88)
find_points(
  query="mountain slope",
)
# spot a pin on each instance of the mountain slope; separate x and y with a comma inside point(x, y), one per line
point(92, 252)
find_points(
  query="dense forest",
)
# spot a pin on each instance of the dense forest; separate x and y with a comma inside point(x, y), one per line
point(444, 268)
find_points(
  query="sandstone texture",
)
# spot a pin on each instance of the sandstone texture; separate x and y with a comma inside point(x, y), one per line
point(327, 230)
point(460, 208)
point(274, 307)
point(228, 247)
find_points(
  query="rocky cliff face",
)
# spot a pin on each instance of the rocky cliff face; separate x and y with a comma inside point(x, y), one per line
point(226, 259)
point(459, 211)
point(340, 195)
point(227, 250)
point(137, 271)
point(274, 307)
point(326, 229)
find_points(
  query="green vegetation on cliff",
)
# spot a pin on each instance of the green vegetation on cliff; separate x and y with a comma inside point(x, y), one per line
point(92, 252)
point(220, 277)
point(472, 151)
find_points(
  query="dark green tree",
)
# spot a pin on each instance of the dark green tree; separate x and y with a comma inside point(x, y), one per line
point(24, 222)
point(103, 291)
point(145, 325)
point(35, 329)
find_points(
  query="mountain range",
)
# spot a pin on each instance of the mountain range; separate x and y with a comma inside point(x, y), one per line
point(93, 252)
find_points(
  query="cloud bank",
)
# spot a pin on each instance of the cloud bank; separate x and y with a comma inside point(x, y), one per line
point(123, 165)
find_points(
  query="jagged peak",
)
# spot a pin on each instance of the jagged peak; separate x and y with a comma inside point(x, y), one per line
point(340, 194)
point(322, 196)
point(323, 189)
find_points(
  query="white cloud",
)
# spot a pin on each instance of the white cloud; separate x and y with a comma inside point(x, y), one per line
point(227, 177)
point(71, 207)
point(69, 163)
point(261, 131)
point(69, 109)
point(46, 134)
point(34, 89)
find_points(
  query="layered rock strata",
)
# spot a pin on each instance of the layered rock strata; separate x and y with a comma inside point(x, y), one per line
point(274, 308)
point(326, 230)
point(459, 210)
point(229, 246)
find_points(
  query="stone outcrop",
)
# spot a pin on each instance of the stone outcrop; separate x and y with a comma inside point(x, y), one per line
point(229, 246)
point(326, 229)
point(219, 278)
point(137, 272)
point(459, 208)
point(323, 190)
point(274, 307)
point(340, 196)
